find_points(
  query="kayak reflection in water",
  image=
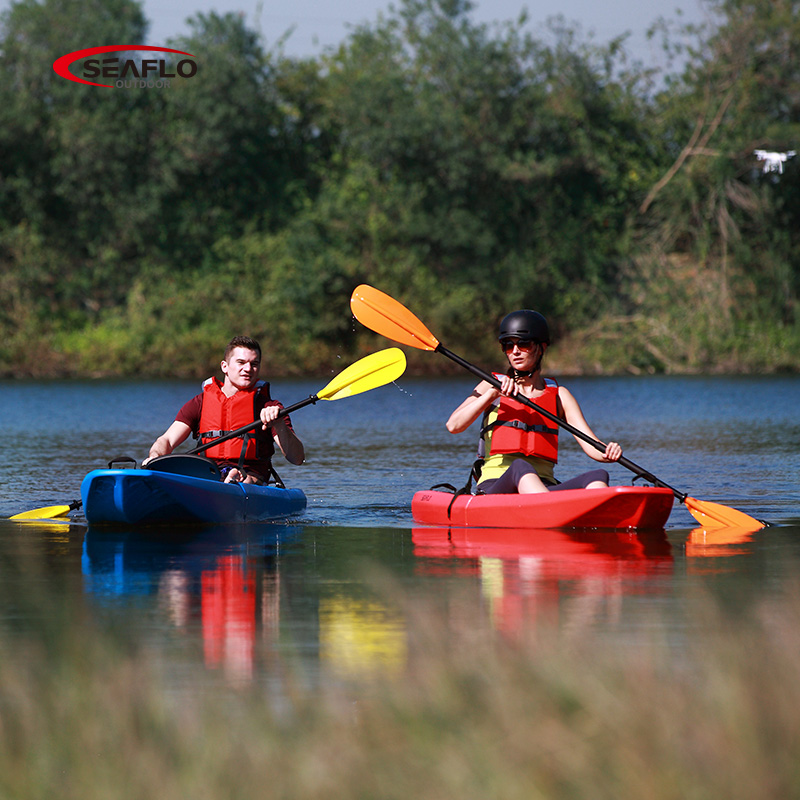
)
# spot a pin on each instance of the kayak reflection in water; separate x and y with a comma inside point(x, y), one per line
point(519, 446)
point(226, 405)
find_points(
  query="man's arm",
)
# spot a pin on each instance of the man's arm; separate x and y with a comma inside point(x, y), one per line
point(285, 438)
point(177, 433)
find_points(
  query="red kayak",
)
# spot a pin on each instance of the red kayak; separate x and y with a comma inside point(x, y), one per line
point(614, 508)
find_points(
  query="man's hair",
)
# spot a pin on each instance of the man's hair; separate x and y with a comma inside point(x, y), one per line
point(242, 341)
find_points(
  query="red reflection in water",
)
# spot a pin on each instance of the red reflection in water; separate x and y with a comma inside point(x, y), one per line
point(523, 571)
point(228, 603)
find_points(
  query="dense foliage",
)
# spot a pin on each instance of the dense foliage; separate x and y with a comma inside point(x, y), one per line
point(465, 169)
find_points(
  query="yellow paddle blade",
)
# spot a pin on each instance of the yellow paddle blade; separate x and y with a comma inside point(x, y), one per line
point(376, 369)
point(48, 512)
point(385, 315)
point(714, 515)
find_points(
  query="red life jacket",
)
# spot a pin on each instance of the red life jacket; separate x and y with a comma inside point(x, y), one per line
point(520, 429)
point(222, 414)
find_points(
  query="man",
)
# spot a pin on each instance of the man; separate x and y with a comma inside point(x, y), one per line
point(229, 404)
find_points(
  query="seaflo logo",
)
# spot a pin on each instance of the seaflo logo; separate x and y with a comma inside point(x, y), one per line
point(126, 72)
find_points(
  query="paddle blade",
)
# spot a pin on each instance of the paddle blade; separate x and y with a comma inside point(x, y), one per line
point(48, 512)
point(712, 538)
point(376, 369)
point(385, 315)
point(714, 515)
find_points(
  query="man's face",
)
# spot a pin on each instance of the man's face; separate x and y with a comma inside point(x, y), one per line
point(241, 368)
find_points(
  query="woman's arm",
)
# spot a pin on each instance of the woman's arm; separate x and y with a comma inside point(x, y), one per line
point(481, 398)
point(574, 416)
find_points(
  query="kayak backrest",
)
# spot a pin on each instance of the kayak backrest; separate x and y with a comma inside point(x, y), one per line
point(192, 466)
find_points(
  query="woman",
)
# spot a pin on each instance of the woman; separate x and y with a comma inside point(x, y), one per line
point(520, 445)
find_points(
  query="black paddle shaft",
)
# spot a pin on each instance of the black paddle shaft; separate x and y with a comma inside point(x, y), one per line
point(625, 462)
point(253, 425)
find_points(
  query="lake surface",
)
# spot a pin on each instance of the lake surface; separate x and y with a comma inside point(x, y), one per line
point(230, 603)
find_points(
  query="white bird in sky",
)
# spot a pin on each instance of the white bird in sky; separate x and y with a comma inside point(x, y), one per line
point(773, 161)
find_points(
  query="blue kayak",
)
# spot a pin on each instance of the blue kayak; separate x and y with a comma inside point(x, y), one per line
point(146, 496)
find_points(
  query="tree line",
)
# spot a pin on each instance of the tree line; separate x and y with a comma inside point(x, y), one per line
point(466, 169)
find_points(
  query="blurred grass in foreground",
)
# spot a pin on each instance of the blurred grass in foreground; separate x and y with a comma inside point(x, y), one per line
point(471, 717)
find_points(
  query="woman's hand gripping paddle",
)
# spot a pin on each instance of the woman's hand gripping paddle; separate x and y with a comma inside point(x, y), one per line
point(370, 372)
point(388, 317)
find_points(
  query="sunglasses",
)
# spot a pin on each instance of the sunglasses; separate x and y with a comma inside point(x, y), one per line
point(525, 345)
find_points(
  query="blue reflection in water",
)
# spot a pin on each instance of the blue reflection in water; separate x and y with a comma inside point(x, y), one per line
point(214, 580)
point(126, 562)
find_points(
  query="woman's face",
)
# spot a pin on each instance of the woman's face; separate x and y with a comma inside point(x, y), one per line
point(523, 354)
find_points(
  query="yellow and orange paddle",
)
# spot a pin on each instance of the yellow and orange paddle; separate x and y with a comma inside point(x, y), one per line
point(390, 318)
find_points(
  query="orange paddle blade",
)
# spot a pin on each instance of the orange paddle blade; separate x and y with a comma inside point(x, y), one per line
point(385, 315)
point(714, 515)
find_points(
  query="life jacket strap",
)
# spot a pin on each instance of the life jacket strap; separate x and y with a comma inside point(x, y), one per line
point(516, 423)
point(212, 434)
point(264, 467)
point(245, 441)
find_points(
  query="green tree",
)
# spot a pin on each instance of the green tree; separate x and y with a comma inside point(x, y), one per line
point(466, 168)
point(737, 94)
point(65, 162)
point(112, 184)
point(227, 156)
point(505, 168)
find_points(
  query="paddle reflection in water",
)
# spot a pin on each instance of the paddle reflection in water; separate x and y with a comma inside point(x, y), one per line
point(525, 574)
point(225, 578)
point(361, 637)
point(716, 543)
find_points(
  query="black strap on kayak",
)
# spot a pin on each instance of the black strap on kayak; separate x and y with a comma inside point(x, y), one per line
point(269, 474)
point(270, 471)
point(474, 474)
point(273, 474)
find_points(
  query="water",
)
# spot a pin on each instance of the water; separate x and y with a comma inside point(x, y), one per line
point(231, 602)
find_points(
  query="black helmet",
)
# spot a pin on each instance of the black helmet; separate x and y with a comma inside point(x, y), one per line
point(525, 324)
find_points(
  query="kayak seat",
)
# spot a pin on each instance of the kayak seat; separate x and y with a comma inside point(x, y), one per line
point(192, 466)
